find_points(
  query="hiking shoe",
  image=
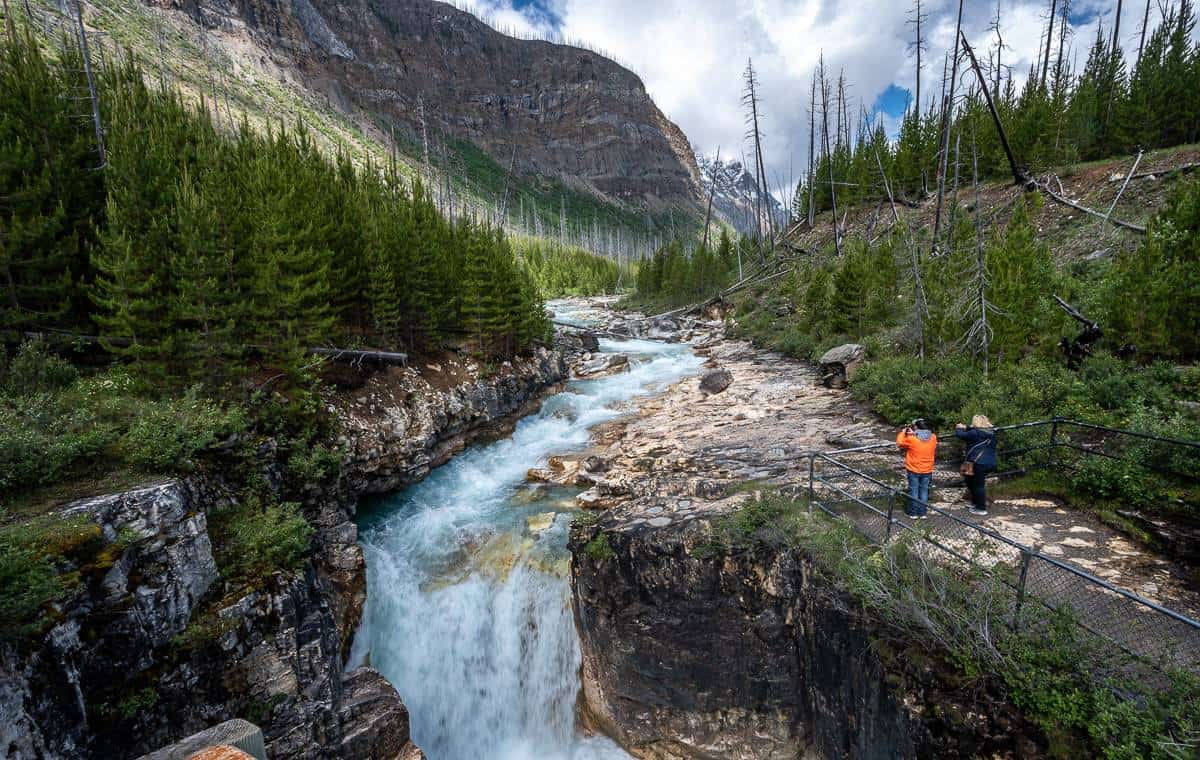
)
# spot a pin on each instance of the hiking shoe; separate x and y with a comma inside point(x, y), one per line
point(977, 511)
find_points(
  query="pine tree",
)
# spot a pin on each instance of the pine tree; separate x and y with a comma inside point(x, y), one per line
point(204, 308)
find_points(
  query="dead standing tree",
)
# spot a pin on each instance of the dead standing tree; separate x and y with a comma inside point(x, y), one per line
point(812, 137)
point(837, 233)
point(750, 101)
point(917, 19)
point(712, 191)
point(944, 141)
point(1049, 41)
point(91, 80)
point(978, 337)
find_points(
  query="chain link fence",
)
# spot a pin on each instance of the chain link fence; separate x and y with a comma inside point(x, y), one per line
point(853, 484)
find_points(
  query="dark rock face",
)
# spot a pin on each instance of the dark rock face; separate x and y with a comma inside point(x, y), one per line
point(567, 112)
point(404, 427)
point(379, 719)
point(754, 656)
point(112, 679)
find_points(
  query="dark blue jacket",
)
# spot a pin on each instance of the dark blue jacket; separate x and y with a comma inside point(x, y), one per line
point(981, 447)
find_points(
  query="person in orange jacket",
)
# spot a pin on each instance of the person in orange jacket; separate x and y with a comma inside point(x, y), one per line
point(919, 445)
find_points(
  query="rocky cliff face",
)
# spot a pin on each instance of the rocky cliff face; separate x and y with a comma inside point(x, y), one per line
point(153, 647)
point(568, 113)
point(688, 655)
point(735, 194)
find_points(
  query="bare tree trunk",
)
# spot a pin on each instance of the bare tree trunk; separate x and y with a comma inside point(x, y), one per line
point(1141, 42)
point(507, 177)
point(1049, 39)
point(1062, 40)
point(763, 204)
point(1116, 40)
point(91, 79)
point(424, 135)
point(812, 136)
point(945, 134)
point(917, 19)
point(837, 233)
point(712, 190)
point(999, 51)
point(980, 262)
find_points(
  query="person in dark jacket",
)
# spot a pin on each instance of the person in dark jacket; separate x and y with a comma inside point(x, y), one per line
point(980, 438)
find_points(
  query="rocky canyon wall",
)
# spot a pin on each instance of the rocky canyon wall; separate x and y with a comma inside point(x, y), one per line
point(691, 655)
point(155, 645)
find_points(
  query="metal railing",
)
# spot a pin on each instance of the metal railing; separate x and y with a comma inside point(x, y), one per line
point(1139, 626)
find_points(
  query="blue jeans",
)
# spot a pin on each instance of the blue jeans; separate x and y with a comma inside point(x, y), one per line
point(918, 493)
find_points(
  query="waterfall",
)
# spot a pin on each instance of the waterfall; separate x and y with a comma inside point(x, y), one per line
point(468, 607)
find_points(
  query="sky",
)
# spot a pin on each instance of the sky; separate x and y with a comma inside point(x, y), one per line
point(691, 54)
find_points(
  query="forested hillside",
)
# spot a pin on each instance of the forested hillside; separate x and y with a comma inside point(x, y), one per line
point(219, 257)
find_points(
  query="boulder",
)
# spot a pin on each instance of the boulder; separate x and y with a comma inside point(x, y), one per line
point(374, 720)
point(593, 463)
point(590, 342)
point(839, 365)
point(605, 364)
point(715, 381)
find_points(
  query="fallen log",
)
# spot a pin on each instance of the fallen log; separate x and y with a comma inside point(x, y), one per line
point(1092, 212)
point(353, 355)
point(1185, 169)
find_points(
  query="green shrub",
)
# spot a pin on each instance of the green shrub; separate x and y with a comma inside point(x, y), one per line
point(34, 369)
point(254, 541)
point(1154, 291)
point(31, 559)
point(43, 435)
point(599, 549)
point(166, 435)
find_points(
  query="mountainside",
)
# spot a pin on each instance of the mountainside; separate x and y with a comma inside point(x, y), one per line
point(736, 193)
point(437, 74)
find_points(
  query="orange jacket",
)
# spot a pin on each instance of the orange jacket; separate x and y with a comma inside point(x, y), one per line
point(918, 454)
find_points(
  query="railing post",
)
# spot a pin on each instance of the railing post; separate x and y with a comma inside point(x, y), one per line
point(891, 506)
point(1054, 440)
point(812, 467)
point(1026, 556)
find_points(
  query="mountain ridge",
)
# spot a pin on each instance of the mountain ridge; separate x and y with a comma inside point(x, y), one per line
point(435, 72)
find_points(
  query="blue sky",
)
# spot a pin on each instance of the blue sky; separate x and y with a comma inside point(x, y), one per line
point(539, 12)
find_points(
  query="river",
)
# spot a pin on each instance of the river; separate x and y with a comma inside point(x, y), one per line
point(468, 608)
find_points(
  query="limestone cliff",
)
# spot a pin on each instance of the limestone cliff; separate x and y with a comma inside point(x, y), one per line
point(569, 113)
point(691, 655)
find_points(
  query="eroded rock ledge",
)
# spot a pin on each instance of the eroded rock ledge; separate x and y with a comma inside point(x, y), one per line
point(691, 655)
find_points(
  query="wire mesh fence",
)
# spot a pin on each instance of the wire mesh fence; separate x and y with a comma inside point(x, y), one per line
point(857, 485)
